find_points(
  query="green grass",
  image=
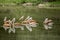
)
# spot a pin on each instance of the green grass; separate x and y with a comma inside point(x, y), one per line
point(38, 14)
point(9, 1)
point(17, 1)
point(57, 2)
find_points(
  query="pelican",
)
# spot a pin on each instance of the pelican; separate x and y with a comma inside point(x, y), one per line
point(48, 24)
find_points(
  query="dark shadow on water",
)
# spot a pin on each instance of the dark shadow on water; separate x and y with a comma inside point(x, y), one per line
point(4, 35)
